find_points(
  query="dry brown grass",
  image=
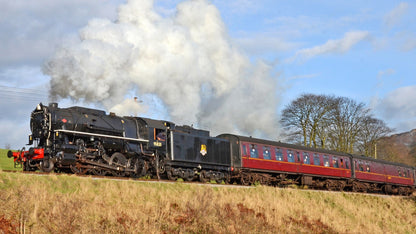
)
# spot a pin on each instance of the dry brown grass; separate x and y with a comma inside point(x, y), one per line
point(69, 204)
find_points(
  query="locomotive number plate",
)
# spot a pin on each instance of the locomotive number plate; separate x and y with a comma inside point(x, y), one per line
point(157, 143)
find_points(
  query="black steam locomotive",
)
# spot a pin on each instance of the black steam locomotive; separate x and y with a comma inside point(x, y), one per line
point(84, 140)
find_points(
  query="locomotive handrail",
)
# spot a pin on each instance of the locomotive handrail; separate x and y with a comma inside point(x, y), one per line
point(102, 135)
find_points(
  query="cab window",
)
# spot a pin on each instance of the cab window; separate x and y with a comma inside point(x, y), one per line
point(253, 151)
point(279, 154)
point(290, 156)
point(266, 152)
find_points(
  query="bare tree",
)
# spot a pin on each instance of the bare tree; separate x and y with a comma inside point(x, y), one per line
point(336, 123)
point(371, 131)
point(347, 120)
point(302, 118)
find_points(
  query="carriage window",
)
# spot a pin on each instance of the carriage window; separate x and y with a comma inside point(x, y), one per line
point(326, 160)
point(306, 159)
point(298, 156)
point(335, 162)
point(266, 152)
point(398, 170)
point(316, 160)
point(290, 156)
point(347, 163)
point(279, 154)
point(367, 166)
point(244, 150)
point(404, 173)
point(360, 164)
point(253, 152)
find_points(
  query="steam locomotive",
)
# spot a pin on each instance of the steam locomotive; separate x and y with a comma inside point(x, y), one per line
point(83, 140)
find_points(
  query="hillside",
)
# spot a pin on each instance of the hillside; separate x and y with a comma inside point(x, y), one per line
point(70, 204)
point(399, 148)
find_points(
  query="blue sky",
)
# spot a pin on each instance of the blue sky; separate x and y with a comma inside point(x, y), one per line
point(365, 50)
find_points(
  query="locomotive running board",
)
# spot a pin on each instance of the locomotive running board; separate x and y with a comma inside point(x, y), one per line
point(102, 135)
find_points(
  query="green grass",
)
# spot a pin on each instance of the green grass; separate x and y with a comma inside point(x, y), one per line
point(5, 162)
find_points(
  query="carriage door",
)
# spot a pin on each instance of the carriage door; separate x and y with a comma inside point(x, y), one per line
point(298, 158)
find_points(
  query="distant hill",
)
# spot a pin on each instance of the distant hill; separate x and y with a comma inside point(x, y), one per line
point(399, 147)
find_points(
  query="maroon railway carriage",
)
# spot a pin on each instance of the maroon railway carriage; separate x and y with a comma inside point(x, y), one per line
point(268, 162)
point(378, 175)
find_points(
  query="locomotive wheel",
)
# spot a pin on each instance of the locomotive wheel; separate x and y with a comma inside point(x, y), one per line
point(118, 160)
point(76, 169)
point(46, 165)
point(162, 168)
point(99, 171)
point(140, 168)
point(27, 166)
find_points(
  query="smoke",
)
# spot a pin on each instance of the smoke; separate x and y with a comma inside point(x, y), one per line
point(185, 60)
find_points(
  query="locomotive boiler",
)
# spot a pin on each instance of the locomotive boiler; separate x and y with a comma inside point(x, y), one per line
point(84, 140)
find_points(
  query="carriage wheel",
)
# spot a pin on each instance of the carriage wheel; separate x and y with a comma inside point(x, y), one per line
point(203, 177)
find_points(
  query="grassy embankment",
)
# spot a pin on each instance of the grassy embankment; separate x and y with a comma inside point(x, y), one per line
point(68, 204)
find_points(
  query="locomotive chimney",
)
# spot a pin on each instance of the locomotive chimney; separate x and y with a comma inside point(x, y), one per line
point(53, 105)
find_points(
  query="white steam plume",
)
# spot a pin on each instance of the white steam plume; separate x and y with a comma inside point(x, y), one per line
point(186, 60)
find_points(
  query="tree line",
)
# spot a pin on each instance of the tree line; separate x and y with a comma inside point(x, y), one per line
point(334, 123)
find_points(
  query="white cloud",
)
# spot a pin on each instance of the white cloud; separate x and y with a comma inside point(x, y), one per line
point(389, 71)
point(29, 30)
point(399, 108)
point(394, 16)
point(338, 46)
point(409, 42)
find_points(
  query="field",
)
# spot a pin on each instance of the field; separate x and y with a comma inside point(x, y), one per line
point(5, 162)
point(68, 204)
